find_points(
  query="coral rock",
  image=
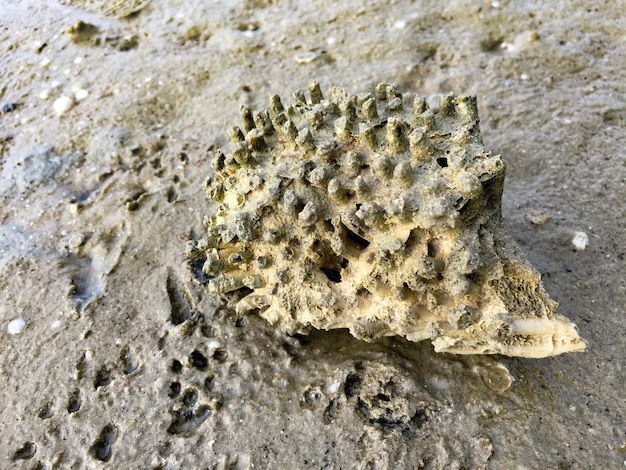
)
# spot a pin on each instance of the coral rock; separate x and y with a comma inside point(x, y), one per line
point(377, 214)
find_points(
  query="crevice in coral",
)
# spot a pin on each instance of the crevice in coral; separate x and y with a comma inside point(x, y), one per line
point(333, 274)
point(357, 240)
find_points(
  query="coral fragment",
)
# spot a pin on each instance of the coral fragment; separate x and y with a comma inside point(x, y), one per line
point(378, 214)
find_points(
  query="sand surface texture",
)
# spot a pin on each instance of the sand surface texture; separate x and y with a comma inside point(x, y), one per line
point(113, 354)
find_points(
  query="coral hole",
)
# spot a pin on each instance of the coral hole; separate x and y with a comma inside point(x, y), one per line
point(356, 239)
point(333, 274)
point(433, 248)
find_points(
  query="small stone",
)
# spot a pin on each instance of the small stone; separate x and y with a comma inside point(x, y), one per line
point(128, 43)
point(306, 58)
point(497, 377)
point(9, 107)
point(192, 34)
point(580, 240)
point(536, 217)
point(16, 326)
point(81, 94)
point(81, 32)
point(76, 240)
point(25, 452)
point(62, 105)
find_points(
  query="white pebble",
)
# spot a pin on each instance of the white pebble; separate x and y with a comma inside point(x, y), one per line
point(580, 240)
point(16, 326)
point(306, 58)
point(400, 24)
point(55, 324)
point(44, 95)
point(38, 45)
point(213, 345)
point(76, 240)
point(81, 94)
point(62, 105)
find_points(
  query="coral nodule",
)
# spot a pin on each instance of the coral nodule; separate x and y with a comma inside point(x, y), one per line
point(376, 213)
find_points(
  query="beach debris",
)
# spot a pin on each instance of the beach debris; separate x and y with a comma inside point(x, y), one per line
point(16, 326)
point(376, 213)
point(81, 32)
point(496, 377)
point(579, 241)
point(537, 217)
point(62, 105)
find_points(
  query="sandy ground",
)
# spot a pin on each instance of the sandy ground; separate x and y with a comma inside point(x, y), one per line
point(107, 130)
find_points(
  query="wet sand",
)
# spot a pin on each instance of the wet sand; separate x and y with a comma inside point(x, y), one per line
point(110, 116)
